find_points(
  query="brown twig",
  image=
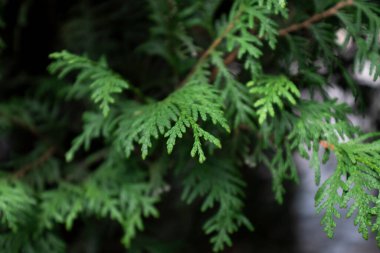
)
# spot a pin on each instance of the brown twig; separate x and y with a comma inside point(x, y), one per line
point(39, 161)
point(316, 18)
point(293, 28)
point(212, 47)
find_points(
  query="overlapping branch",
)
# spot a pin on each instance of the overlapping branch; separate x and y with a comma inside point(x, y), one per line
point(282, 32)
point(231, 57)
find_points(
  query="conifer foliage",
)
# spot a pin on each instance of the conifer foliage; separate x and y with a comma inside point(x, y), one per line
point(195, 82)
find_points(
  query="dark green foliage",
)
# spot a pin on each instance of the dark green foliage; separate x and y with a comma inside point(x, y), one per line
point(111, 192)
point(363, 25)
point(220, 184)
point(183, 96)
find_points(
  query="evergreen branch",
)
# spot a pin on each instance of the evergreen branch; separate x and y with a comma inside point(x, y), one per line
point(213, 46)
point(110, 182)
point(94, 77)
point(110, 192)
point(221, 186)
point(320, 124)
point(293, 28)
point(352, 186)
point(171, 117)
point(94, 126)
point(272, 90)
point(40, 160)
point(16, 206)
point(316, 18)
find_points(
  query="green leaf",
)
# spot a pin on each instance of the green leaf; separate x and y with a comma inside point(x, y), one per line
point(16, 204)
point(95, 76)
point(220, 184)
point(271, 91)
point(354, 182)
point(172, 117)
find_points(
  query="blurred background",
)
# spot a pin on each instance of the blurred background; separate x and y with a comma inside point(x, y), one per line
point(116, 28)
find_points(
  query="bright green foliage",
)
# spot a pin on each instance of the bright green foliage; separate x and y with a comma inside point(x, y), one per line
point(172, 117)
point(190, 61)
point(375, 210)
point(271, 91)
point(220, 184)
point(355, 179)
point(101, 81)
point(248, 15)
point(320, 121)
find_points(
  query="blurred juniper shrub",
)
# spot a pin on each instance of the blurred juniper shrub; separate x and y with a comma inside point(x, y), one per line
point(202, 90)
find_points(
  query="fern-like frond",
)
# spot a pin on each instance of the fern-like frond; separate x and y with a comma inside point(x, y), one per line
point(94, 126)
point(352, 185)
point(169, 36)
point(282, 167)
point(325, 38)
point(237, 100)
point(112, 192)
point(221, 186)
point(317, 122)
point(108, 193)
point(250, 16)
point(54, 210)
point(171, 117)
point(16, 204)
point(328, 199)
point(238, 103)
point(271, 91)
point(96, 75)
point(376, 225)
